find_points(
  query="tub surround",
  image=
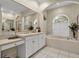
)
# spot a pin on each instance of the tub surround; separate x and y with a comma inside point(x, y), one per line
point(63, 44)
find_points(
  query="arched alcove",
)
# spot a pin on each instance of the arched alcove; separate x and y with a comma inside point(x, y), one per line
point(60, 26)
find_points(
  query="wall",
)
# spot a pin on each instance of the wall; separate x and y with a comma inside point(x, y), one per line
point(0, 20)
point(71, 11)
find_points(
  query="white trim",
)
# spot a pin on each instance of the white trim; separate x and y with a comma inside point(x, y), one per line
point(59, 15)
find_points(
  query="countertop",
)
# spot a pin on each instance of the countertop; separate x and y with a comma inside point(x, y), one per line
point(7, 41)
point(29, 34)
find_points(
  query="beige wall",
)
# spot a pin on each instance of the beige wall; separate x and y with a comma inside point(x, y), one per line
point(0, 20)
point(71, 11)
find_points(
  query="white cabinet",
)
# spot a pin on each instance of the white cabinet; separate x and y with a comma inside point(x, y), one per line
point(42, 41)
point(29, 46)
point(0, 52)
point(10, 45)
point(32, 44)
point(7, 46)
point(26, 50)
point(35, 43)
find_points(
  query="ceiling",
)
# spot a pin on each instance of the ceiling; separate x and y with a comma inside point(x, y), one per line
point(52, 1)
point(56, 3)
point(13, 6)
point(40, 1)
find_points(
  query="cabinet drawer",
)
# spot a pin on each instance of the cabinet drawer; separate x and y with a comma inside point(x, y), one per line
point(7, 46)
point(10, 45)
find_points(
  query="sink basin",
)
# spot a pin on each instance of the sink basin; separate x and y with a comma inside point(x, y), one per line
point(14, 37)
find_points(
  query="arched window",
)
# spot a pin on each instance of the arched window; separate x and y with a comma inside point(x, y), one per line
point(61, 19)
point(60, 25)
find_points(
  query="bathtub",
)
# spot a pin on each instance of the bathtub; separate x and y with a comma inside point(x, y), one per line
point(63, 44)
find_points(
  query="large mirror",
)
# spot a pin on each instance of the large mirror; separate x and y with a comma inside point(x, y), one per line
point(14, 20)
point(29, 23)
point(8, 20)
point(8, 25)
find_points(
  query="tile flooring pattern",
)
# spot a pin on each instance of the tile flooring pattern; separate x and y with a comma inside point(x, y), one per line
point(48, 52)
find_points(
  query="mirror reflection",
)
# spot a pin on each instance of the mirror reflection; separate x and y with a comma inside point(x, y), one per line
point(8, 21)
point(18, 23)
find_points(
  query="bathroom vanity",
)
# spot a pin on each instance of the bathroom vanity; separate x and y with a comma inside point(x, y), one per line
point(27, 44)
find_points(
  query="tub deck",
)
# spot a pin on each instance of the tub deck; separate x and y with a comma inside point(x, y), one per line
point(63, 44)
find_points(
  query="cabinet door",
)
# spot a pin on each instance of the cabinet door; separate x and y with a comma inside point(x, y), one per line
point(42, 41)
point(29, 46)
point(35, 43)
point(0, 52)
point(26, 50)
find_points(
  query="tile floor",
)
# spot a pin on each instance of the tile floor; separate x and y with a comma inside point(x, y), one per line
point(48, 52)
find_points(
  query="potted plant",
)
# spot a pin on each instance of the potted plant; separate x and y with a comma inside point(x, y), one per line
point(74, 28)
